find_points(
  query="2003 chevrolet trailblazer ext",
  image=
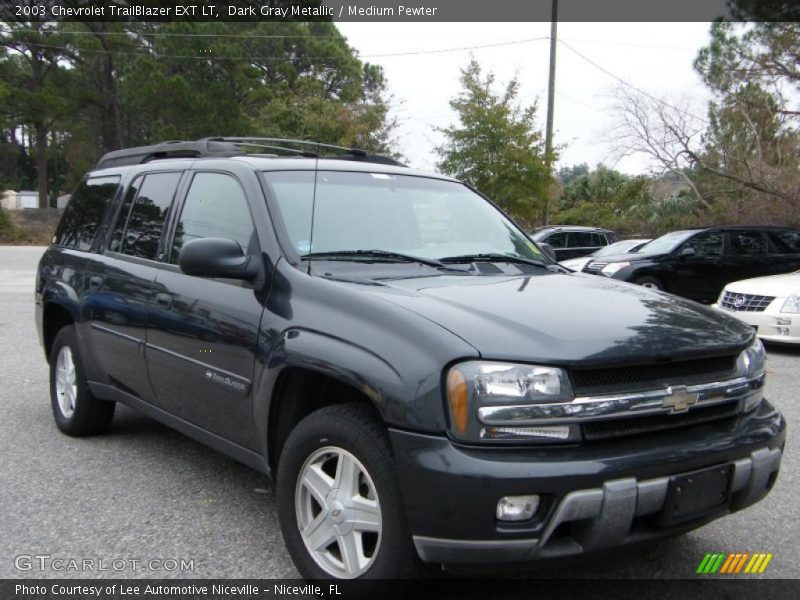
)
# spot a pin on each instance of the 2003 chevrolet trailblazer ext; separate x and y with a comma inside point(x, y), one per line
point(423, 383)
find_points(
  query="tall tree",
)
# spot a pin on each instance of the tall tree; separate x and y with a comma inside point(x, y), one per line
point(496, 147)
point(31, 69)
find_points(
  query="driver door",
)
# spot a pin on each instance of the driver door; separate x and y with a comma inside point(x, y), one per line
point(698, 267)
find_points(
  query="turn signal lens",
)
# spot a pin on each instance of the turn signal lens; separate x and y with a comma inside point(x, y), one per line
point(458, 397)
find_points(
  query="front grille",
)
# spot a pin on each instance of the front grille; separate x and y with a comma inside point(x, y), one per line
point(745, 302)
point(601, 430)
point(647, 377)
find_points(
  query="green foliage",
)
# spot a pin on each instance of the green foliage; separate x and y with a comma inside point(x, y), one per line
point(103, 86)
point(629, 205)
point(496, 147)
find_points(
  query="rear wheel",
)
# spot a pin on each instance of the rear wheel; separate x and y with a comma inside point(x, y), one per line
point(650, 282)
point(75, 410)
point(338, 499)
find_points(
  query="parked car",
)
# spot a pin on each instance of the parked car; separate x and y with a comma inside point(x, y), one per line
point(572, 241)
point(577, 264)
point(770, 304)
point(421, 382)
point(697, 263)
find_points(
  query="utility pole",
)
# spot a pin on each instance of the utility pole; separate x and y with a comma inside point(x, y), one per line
point(551, 92)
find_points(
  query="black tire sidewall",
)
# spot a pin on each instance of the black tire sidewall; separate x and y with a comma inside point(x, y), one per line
point(90, 415)
point(396, 555)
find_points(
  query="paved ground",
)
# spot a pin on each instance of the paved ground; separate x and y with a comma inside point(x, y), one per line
point(144, 492)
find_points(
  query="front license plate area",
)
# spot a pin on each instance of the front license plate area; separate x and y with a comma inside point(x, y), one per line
point(693, 495)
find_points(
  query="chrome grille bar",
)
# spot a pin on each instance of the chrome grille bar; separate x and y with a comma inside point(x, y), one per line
point(666, 400)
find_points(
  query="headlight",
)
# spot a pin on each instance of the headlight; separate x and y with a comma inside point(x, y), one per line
point(473, 384)
point(612, 268)
point(751, 361)
point(751, 364)
point(792, 304)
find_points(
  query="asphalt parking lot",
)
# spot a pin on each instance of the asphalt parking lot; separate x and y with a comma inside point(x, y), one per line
point(143, 492)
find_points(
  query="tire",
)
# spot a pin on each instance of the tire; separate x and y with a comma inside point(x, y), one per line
point(650, 282)
point(76, 411)
point(343, 438)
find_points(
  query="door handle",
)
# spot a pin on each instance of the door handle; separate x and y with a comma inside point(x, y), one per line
point(95, 282)
point(163, 299)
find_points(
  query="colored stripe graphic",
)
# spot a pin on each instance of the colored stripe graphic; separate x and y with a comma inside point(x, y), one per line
point(730, 564)
point(703, 564)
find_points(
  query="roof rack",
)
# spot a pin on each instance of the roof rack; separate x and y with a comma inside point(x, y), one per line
point(223, 147)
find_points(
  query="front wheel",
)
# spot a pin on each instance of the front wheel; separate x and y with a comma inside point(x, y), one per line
point(339, 502)
point(650, 282)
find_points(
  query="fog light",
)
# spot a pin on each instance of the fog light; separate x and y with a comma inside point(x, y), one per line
point(783, 331)
point(541, 433)
point(517, 508)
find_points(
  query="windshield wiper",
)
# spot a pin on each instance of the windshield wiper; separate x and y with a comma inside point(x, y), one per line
point(383, 254)
point(493, 257)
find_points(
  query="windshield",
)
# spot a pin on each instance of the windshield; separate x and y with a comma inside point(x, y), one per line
point(401, 214)
point(667, 242)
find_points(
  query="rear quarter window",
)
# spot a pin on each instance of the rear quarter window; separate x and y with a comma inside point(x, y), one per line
point(81, 219)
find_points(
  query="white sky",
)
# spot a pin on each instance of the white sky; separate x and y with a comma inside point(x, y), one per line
point(656, 57)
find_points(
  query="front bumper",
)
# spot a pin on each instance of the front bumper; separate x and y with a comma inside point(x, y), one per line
point(771, 324)
point(595, 496)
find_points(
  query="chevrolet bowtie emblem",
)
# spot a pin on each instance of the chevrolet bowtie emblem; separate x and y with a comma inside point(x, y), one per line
point(679, 400)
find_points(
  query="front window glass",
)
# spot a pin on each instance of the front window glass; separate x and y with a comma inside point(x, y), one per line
point(706, 244)
point(417, 216)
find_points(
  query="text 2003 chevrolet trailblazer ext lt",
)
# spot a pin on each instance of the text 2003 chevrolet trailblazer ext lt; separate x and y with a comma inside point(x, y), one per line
point(420, 379)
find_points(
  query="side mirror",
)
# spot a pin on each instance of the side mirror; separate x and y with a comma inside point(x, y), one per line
point(687, 252)
point(548, 249)
point(216, 257)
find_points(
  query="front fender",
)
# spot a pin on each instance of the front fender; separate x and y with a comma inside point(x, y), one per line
point(404, 400)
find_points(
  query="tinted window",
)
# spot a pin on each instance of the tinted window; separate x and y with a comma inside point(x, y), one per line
point(706, 244)
point(586, 239)
point(82, 216)
point(785, 242)
point(215, 207)
point(557, 240)
point(115, 243)
point(748, 243)
point(148, 213)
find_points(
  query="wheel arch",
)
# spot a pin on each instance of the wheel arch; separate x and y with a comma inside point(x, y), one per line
point(307, 371)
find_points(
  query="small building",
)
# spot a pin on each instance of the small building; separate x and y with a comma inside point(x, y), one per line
point(27, 199)
point(11, 200)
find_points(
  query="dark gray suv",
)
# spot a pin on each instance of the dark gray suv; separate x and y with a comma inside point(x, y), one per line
point(422, 383)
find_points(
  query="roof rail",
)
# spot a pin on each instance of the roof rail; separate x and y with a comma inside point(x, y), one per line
point(170, 149)
point(223, 147)
point(272, 144)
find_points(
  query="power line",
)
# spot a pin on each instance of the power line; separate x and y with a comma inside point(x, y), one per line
point(628, 84)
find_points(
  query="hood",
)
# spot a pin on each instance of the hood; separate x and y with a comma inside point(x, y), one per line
point(772, 285)
point(576, 264)
point(564, 319)
point(625, 256)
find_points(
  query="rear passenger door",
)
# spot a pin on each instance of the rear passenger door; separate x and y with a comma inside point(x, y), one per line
point(747, 255)
point(202, 334)
point(558, 242)
point(120, 283)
